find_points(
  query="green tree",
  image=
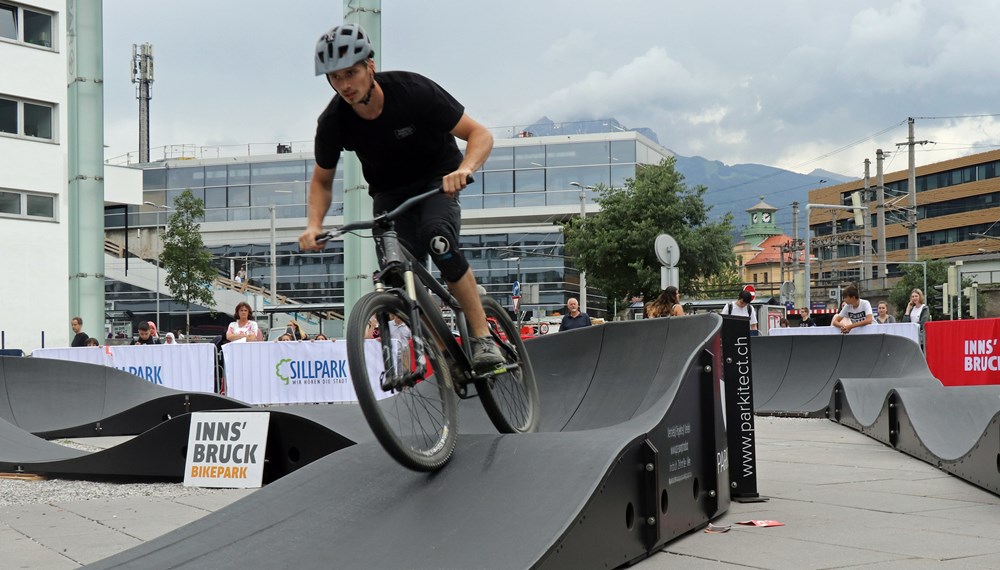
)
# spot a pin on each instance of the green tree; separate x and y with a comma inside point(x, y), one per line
point(187, 263)
point(615, 245)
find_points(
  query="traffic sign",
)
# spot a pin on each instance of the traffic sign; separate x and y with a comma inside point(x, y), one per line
point(517, 302)
point(753, 293)
point(517, 289)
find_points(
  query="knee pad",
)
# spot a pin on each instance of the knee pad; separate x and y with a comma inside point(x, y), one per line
point(442, 245)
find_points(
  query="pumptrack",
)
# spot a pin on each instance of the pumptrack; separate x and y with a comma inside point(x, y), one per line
point(881, 386)
point(43, 399)
point(626, 460)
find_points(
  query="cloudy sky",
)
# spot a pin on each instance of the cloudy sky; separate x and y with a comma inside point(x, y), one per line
point(798, 85)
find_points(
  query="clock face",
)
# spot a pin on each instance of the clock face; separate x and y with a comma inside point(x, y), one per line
point(766, 216)
point(755, 218)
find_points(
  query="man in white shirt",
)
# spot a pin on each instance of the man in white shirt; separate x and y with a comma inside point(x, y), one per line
point(856, 312)
point(741, 308)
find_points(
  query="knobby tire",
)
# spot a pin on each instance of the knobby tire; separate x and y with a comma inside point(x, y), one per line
point(416, 425)
point(510, 398)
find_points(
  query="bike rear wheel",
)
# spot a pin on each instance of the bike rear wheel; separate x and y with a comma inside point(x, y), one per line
point(510, 398)
point(415, 419)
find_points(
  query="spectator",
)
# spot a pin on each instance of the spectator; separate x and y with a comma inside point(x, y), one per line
point(856, 312)
point(285, 338)
point(741, 307)
point(668, 304)
point(807, 321)
point(575, 319)
point(169, 339)
point(92, 342)
point(241, 275)
point(320, 336)
point(398, 331)
point(243, 328)
point(80, 337)
point(295, 331)
point(146, 335)
point(883, 317)
point(917, 310)
point(371, 331)
point(783, 323)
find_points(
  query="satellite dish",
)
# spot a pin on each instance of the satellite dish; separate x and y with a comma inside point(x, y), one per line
point(667, 250)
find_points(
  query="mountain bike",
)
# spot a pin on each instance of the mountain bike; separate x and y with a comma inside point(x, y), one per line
point(409, 388)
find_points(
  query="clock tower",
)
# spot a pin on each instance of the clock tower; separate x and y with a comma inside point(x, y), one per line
point(762, 223)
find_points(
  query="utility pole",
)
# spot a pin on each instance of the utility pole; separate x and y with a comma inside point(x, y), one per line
point(880, 197)
point(911, 187)
point(866, 241)
point(142, 74)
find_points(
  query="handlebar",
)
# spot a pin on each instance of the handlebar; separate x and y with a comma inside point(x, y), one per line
point(383, 217)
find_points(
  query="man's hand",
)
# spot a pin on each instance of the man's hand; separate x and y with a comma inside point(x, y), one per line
point(453, 183)
point(307, 241)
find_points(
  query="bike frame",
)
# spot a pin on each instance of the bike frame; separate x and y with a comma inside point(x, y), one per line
point(396, 259)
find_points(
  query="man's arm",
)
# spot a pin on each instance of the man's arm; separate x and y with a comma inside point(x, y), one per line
point(320, 198)
point(477, 150)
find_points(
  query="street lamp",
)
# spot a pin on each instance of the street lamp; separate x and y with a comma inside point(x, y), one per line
point(159, 254)
point(583, 215)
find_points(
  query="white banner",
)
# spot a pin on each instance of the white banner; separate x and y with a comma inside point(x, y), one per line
point(186, 367)
point(909, 330)
point(291, 372)
point(226, 449)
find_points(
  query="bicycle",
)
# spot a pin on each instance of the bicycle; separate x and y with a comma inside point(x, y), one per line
point(414, 415)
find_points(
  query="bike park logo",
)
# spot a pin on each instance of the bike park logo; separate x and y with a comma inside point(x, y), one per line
point(294, 372)
point(979, 355)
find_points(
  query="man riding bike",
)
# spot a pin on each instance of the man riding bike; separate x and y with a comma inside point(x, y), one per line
point(402, 126)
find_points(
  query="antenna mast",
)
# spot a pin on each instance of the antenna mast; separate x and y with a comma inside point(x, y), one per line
point(142, 74)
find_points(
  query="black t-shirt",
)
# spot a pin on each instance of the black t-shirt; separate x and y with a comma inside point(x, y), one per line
point(151, 340)
point(80, 339)
point(406, 146)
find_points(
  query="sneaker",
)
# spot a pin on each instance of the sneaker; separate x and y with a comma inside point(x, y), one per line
point(485, 354)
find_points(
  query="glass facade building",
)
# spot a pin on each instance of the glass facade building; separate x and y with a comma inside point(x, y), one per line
point(511, 215)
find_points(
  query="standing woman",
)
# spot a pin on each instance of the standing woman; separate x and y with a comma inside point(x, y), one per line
point(243, 328)
point(917, 311)
point(668, 304)
point(883, 317)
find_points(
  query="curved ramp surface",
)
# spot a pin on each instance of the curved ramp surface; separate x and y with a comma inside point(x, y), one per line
point(795, 375)
point(956, 428)
point(634, 424)
point(57, 398)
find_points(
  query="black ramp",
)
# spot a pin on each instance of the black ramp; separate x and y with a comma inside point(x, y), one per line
point(58, 398)
point(160, 452)
point(18, 446)
point(950, 420)
point(565, 499)
point(862, 399)
point(815, 363)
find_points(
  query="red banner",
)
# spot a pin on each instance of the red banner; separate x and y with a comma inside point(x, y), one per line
point(964, 353)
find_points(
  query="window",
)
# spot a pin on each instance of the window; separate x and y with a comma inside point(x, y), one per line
point(26, 118)
point(28, 205)
point(25, 25)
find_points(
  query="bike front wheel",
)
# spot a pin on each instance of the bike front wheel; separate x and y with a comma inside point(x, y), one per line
point(414, 416)
point(510, 397)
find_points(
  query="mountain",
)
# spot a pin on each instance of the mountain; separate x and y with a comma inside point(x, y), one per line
point(734, 188)
point(731, 188)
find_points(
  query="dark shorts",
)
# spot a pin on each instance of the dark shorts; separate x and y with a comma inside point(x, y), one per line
point(431, 227)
